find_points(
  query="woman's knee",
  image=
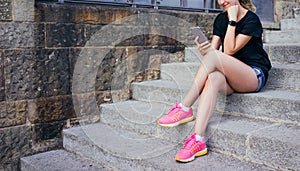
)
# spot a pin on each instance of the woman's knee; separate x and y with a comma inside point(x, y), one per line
point(216, 78)
point(217, 81)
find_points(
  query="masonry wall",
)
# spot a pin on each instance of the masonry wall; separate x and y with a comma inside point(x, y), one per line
point(284, 9)
point(40, 45)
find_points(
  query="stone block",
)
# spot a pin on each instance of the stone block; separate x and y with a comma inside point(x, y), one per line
point(17, 35)
point(91, 69)
point(2, 78)
point(10, 166)
point(47, 131)
point(86, 108)
point(101, 69)
point(36, 73)
point(23, 10)
point(233, 139)
point(59, 160)
point(284, 9)
point(65, 35)
point(15, 143)
point(80, 14)
point(50, 109)
point(283, 53)
point(12, 113)
point(96, 36)
point(5, 10)
point(279, 145)
point(296, 12)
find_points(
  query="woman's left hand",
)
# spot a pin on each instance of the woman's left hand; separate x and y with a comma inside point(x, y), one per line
point(204, 47)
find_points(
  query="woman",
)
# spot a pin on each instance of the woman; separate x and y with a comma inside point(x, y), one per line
point(242, 67)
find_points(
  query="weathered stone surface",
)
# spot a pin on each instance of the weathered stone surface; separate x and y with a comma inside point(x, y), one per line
point(75, 14)
point(59, 160)
point(100, 69)
point(281, 144)
point(296, 12)
point(127, 27)
point(36, 73)
point(17, 35)
point(12, 113)
point(236, 136)
point(2, 78)
point(15, 143)
point(124, 35)
point(21, 35)
point(91, 69)
point(47, 131)
point(283, 53)
point(23, 10)
point(86, 108)
point(5, 10)
point(50, 109)
point(284, 8)
point(65, 35)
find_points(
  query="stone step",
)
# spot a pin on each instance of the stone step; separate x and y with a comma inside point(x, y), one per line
point(283, 76)
point(283, 53)
point(247, 138)
point(273, 105)
point(127, 150)
point(282, 36)
point(290, 24)
point(192, 54)
point(141, 117)
point(59, 160)
point(278, 53)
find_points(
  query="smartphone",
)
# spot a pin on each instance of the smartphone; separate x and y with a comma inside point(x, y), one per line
point(198, 32)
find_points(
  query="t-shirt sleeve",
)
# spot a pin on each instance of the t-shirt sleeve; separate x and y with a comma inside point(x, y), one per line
point(252, 27)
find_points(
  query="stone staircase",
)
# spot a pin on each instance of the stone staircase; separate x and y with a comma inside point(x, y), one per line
point(253, 131)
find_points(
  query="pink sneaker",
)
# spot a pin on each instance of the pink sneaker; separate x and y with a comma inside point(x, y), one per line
point(176, 116)
point(192, 148)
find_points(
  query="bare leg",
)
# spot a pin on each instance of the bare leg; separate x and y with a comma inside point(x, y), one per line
point(239, 76)
point(215, 83)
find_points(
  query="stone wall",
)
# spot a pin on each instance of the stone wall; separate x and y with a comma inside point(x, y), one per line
point(284, 9)
point(50, 73)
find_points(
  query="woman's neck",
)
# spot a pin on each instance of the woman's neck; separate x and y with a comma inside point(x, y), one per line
point(242, 13)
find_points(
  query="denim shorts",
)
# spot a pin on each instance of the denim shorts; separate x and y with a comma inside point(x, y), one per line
point(260, 76)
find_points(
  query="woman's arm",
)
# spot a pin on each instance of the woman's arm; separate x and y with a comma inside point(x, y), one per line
point(216, 42)
point(233, 43)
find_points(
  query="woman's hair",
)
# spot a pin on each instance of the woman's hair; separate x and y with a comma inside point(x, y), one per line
point(248, 5)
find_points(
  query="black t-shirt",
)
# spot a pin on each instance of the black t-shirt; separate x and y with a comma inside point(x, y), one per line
point(252, 53)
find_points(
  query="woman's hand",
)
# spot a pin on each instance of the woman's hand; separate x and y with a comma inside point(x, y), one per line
point(204, 47)
point(233, 12)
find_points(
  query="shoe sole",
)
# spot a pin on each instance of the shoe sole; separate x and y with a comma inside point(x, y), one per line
point(176, 123)
point(200, 153)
